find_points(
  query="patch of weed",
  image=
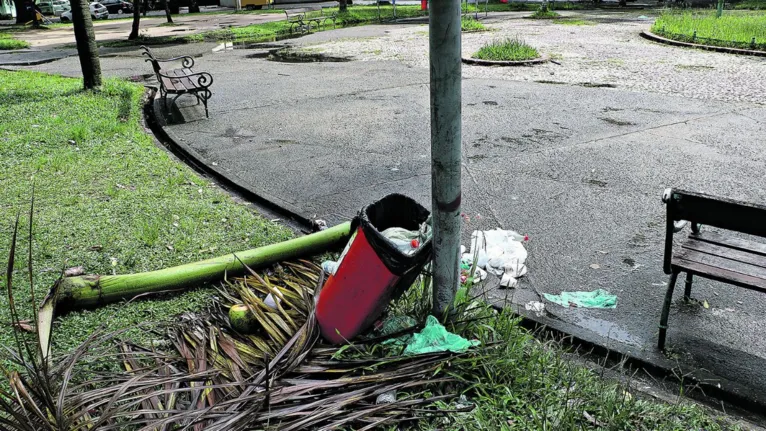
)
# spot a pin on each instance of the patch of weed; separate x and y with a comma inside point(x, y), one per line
point(511, 49)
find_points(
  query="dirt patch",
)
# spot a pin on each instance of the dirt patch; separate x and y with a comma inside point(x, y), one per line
point(289, 55)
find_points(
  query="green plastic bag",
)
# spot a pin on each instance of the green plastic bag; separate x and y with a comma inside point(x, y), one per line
point(597, 299)
point(435, 338)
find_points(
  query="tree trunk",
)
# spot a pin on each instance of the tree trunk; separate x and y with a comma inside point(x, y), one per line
point(87, 49)
point(167, 11)
point(146, 6)
point(25, 11)
point(136, 20)
point(343, 6)
point(193, 6)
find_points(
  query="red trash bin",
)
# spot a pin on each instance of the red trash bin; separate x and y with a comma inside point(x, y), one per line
point(371, 270)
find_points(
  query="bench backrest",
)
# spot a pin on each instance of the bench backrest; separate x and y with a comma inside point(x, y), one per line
point(713, 211)
point(302, 11)
point(155, 64)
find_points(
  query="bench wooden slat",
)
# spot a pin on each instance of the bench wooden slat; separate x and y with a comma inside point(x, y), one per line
point(721, 263)
point(719, 274)
point(730, 253)
point(731, 242)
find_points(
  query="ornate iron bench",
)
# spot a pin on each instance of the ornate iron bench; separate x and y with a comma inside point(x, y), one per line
point(712, 255)
point(299, 18)
point(180, 81)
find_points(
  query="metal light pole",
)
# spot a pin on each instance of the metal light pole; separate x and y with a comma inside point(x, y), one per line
point(445, 52)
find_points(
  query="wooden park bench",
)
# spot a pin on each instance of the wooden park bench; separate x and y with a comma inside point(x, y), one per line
point(717, 256)
point(300, 19)
point(180, 81)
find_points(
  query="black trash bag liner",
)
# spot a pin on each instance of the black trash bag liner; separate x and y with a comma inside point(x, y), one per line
point(395, 210)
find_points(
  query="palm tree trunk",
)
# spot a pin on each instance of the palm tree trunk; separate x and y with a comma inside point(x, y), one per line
point(136, 20)
point(87, 49)
point(167, 11)
point(94, 290)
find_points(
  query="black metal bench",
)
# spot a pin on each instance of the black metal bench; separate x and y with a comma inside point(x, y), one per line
point(180, 81)
point(300, 19)
point(712, 255)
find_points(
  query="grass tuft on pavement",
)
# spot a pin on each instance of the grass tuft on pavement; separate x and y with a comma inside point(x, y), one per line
point(732, 29)
point(544, 14)
point(471, 24)
point(510, 49)
point(106, 198)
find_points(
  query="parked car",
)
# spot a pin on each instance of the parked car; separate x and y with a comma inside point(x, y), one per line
point(117, 6)
point(97, 11)
point(53, 7)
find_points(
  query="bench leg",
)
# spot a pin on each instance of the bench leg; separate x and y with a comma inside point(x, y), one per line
point(666, 310)
point(688, 287)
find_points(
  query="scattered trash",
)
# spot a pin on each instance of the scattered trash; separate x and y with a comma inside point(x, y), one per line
point(74, 271)
point(435, 338)
point(591, 419)
point(270, 302)
point(406, 241)
point(463, 403)
point(595, 266)
point(386, 397)
point(329, 267)
point(596, 299)
point(705, 304)
point(537, 307)
point(500, 252)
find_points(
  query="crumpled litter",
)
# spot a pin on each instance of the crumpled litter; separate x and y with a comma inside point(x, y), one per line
point(500, 252)
point(599, 298)
point(329, 267)
point(433, 338)
point(535, 306)
point(406, 241)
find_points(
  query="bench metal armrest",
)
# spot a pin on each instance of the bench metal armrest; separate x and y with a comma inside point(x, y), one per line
point(673, 226)
point(186, 61)
point(203, 80)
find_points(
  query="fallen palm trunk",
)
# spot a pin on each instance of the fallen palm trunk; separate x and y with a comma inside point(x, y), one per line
point(94, 290)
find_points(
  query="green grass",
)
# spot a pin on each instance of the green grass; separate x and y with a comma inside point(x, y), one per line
point(532, 385)
point(573, 21)
point(471, 24)
point(356, 15)
point(513, 6)
point(733, 29)
point(106, 198)
point(544, 14)
point(7, 41)
point(507, 50)
point(751, 5)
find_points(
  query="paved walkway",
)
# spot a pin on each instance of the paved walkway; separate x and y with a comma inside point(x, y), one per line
point(579, 169)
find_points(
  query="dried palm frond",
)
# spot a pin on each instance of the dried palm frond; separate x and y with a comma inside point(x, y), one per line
point(212, 377)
